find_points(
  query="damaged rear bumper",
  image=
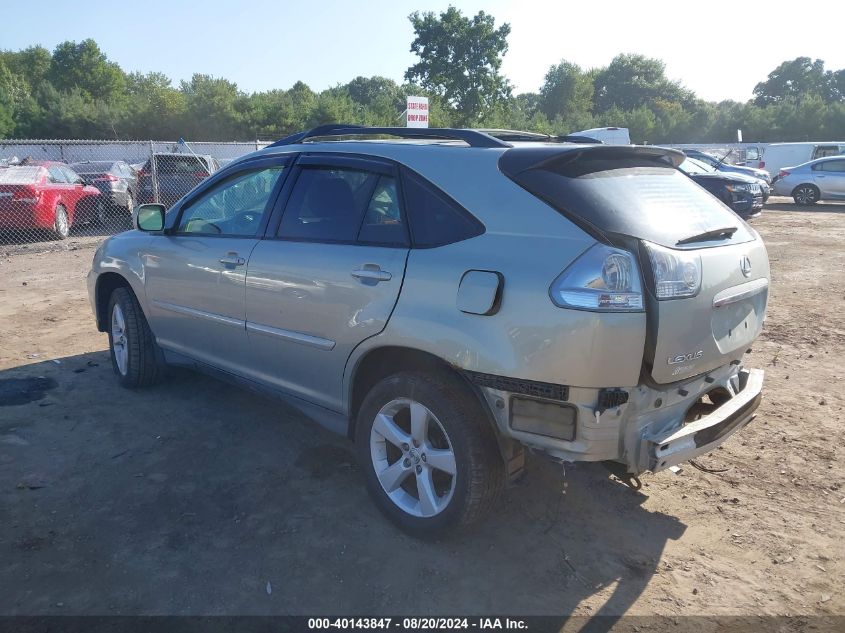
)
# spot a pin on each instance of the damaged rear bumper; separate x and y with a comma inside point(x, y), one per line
point(705, 434)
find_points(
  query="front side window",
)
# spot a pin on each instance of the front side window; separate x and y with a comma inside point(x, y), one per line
point(56, 175)
point(826, 150)
point(235, 206)
point(71, 176)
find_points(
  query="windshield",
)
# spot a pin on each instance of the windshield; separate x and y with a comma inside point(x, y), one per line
point(693, 166)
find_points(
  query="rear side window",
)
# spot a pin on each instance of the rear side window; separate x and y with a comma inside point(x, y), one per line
point(383, 223)
point(832, 165)
point(327, 204)
point(434, 218)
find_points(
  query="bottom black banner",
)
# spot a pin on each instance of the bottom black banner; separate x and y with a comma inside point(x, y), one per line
point(401, 624)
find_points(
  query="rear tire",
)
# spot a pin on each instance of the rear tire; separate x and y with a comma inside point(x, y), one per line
point(101, 213)
point(806, 194)
point(413, 429)
point(135, 357)
point(61, 223)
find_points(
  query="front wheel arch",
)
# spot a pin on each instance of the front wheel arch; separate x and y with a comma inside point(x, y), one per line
point(107, 283)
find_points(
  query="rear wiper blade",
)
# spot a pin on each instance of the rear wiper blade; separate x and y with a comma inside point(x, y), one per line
point(709, 235)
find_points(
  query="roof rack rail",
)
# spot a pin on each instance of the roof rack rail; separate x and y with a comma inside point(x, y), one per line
point(473, 138)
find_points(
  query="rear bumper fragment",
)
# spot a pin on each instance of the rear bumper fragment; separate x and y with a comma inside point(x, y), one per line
point(705, 434)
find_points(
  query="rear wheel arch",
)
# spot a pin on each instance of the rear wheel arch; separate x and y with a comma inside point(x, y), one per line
point(382, 362)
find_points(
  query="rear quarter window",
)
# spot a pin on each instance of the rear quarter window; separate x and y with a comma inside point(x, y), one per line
point(435, 219)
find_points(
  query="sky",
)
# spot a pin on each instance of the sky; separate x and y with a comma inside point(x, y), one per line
point(719, 49)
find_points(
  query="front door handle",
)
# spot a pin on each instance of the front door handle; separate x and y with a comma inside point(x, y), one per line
point(371, 273)
point(232, 259)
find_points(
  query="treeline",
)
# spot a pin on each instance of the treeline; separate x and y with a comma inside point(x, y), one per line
point(76, 92)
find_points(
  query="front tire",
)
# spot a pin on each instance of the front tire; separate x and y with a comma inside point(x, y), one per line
point(430, 459)
point(806, 194)
point(135, 357)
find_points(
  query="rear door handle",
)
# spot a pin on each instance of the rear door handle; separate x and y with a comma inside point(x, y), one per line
point(371, 272)
point(232, 259)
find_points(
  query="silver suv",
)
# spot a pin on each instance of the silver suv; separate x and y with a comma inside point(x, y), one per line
point(447, 299)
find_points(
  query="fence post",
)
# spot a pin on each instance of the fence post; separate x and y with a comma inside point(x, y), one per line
point(153, 172)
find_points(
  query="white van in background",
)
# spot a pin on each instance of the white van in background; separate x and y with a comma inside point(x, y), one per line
point(779, 155)
point(609, 135)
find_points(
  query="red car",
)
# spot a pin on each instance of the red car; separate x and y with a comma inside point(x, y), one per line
point(44, 195)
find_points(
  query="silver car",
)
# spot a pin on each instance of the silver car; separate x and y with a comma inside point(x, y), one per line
point(448, 300)
point(820, 179)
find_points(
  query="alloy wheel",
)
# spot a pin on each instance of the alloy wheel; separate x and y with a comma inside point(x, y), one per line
point(805, 195)
point(119, 342)
point(62, 222)
point(413, 457)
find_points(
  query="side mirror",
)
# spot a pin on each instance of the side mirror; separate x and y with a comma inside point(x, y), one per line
point(151, 217)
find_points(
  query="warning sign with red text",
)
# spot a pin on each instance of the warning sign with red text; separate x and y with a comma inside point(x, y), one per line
point(416, 114)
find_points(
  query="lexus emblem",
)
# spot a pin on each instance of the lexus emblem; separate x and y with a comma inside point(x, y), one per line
point(745, 265)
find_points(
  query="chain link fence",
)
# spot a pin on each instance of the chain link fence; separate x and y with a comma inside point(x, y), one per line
point(60, 194)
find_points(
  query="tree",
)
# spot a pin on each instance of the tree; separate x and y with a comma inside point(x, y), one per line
point(86, 67)
point(212, 109)
point(7, 101)
point(460, 60)
point(154, 104)
point(567, 92)
point(796, 79)
point(633, 81)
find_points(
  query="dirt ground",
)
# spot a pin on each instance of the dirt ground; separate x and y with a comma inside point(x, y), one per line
point(195, 497)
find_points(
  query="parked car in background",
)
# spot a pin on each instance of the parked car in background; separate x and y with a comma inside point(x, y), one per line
point(743, 194)
point(176, 175)
point(46, 195)
point(821, 179)
point(719, 164)
point(388, 289)
point(608, 135)
point(116, 181)
point(778, 155)
point(749, 155)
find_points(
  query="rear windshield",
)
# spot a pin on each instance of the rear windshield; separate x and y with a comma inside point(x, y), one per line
point(20, 175)
point(91, 168)
point(638, 197)
point(180, 164)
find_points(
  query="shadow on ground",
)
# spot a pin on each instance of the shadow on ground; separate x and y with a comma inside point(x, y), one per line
point(819, 207)
point(195, 497)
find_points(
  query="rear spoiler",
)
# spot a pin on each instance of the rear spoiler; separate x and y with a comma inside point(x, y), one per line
point(575, 161)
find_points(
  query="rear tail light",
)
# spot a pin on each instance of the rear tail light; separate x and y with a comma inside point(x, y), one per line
point(782, 174)
point(761, 165)
point(602, 279)
point(677, 274)
point(200, 174)
point(107, 177)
